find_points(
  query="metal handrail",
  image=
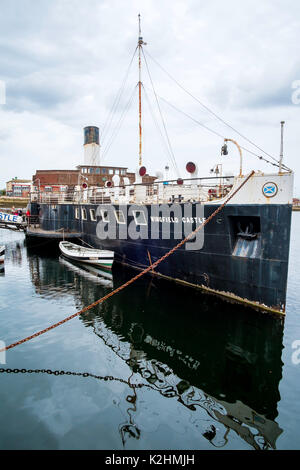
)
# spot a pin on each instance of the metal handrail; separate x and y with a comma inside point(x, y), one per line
point(189, 188)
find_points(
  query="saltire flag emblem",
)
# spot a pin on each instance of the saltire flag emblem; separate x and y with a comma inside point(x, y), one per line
point(270, 189)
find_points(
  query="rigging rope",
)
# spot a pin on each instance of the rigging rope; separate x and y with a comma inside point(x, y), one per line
point(119, 124)
point(168, 153)
point(213, 113)
point(135, 278)
point(220, 135)
point(162, 119)
point(109, 118)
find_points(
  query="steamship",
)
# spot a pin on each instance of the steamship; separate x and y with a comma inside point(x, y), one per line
point(241, 254)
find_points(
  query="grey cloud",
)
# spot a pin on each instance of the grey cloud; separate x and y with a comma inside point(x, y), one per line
point(35, 94)
point(64, 61)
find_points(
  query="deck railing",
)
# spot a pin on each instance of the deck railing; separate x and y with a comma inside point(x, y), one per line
point(187, 190)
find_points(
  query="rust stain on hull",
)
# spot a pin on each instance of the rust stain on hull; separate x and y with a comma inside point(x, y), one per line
point(228, 296)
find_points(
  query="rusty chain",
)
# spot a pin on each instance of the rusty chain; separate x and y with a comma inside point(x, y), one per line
point(135, 278)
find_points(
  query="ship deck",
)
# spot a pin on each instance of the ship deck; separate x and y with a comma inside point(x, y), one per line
point(59, 234)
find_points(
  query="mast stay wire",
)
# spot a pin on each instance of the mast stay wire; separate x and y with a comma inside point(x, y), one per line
point(118, 125)
point(116, 102)
point(217, 133)
point(164, 144)
point(212, 112)
point(161, 116)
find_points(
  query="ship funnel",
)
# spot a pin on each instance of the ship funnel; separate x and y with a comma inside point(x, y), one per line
point(91, 146)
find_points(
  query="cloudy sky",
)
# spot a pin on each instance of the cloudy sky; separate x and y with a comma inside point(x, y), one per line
point(63, 63)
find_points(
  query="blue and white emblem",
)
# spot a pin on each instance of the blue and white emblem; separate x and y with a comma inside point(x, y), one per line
point(269, 189)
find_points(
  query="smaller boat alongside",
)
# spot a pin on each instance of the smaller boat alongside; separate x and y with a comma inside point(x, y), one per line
point(2, 254)
point(90, 256)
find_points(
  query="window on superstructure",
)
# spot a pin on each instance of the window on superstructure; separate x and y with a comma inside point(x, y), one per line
point(139, 217)
point(117, 172)
point(120, 217)
point(110, 171)
point(91, 171)
point(93, 214)
point(104, 171)
point(83, 214)
point(97, 171)
point(104, 215)
point(76, 213)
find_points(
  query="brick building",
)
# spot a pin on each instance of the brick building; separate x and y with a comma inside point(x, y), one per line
point(61, 180)
point(91, 173)
point(18, 188)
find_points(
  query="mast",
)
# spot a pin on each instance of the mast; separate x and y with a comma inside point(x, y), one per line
point(140, 44)
point(281, 147)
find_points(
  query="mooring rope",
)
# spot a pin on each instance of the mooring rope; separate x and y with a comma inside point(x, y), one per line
point(135, 278)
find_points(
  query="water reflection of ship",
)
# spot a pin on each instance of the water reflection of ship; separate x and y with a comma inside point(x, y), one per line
point(13, 252)
point(209, 356)
point(16, 254)
point(50, 276)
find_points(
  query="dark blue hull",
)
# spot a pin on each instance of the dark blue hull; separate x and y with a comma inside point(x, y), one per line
point(245, 267)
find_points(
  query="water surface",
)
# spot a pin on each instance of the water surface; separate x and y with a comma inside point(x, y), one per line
point(157, 366)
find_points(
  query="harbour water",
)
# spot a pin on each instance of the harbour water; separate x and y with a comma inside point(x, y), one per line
point(158, 366)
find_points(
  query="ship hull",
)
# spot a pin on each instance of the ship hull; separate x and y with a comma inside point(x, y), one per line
point(250, 268)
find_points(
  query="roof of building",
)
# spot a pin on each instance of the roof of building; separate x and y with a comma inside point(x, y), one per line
point(18, 181)
point(102, 166)
point(56, 171)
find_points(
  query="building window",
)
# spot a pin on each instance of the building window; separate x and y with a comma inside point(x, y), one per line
point(93, 214)
point(139, 217)
point(76, 213)
point(104, 215)
point(120, 217)
point(83, 214)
